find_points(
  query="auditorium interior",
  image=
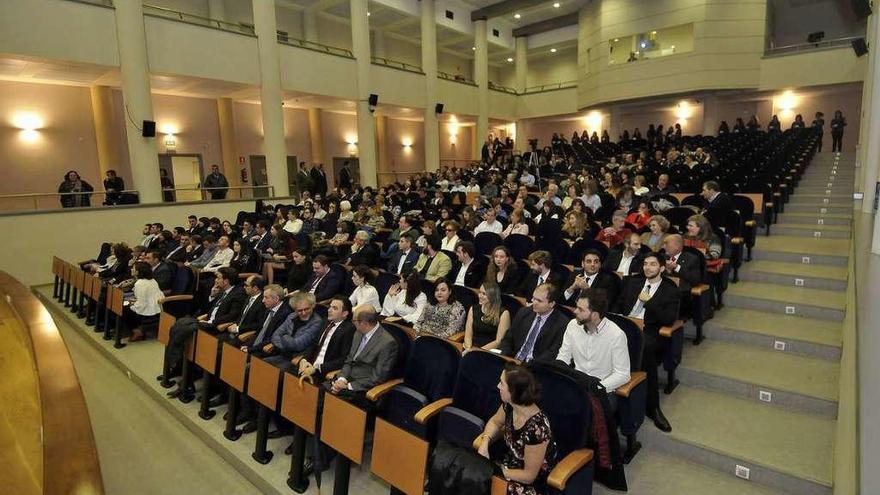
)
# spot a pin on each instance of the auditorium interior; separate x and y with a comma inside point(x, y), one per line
point(439, 246)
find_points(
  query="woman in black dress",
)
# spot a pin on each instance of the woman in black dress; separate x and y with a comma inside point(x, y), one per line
point(487, 322)
point(503, 270)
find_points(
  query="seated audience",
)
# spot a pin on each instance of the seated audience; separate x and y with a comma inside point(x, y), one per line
point(591, 277)
point(363, 252)
point(617, 232)
point(405, 299)
point(540, 264)
point(658, 227)
point(536, 331)
point(405, 258)
point(487, 322)
point(299, 331)
point(330, 350)
point(324, 282)
point(445, 317)
point(515, 225)
point(300, 270)
point(450, 240)
point(363, 292)
point(490, 224)
point(504, 271)
point(145, 301)
point(434, 264)
point(470, 271)
point(626, 259)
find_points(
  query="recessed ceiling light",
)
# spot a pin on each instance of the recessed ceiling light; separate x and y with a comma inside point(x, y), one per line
point(517, 16)
point(474, 48)
point(553, 50)
point(556, 5)
point(368, 14)
point(510, 59)
point(616, 40)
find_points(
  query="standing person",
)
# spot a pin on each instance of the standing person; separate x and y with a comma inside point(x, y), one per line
point(73, 183)
point(837, 125)
point(344, 179)
point(167, 186)
point(216, 180)
point(113, 186)
point(819, 126)
point(319, 179)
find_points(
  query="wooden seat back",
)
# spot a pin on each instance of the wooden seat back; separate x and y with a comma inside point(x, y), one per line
point(233, 367)
point(399, 458)
point(263, 383)
point(114, 300)
point(299, 402)
point(349, 423)
point(166, 321)
point(206, 351)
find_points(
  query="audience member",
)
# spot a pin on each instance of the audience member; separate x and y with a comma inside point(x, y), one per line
point(487, 321)
point(445, 318)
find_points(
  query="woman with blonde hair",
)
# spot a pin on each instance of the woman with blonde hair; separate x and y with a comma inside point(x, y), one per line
point(659, 226)
point(487, 322)
point(575, 226)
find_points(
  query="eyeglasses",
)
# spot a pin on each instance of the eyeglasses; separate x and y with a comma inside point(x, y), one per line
point(450, 230)
point(303, 310)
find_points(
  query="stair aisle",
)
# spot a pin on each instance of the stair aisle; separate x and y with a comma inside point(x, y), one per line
point(761, 391)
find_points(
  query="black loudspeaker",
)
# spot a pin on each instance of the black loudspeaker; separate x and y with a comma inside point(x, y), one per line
point(373, 100)
point(860, 47)
point(862, 8)
point(149, 129)
point(438, 108)
point(815, 37)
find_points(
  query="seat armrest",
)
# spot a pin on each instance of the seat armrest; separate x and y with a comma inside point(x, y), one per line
point(381, 389)
point(638, 321)
point(247, 336)
point(569, 465)
point(181, 297)
point(296, 360)
point(635, 378)
point(431, 410)
point(675, 327)
point(456, 337)
point(699, 289)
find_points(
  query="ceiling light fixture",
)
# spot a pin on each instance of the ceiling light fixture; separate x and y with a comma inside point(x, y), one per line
point(553, 50)
point(368, 14)
point(510, 59)
point(556, 5)
point(517, 16)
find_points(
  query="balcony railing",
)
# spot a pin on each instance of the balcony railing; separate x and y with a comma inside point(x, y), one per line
point(502, 88)
point(318, 47)
point(396, 64)
point(455, 78)
point(55, 200)
point(100, 3)
point(808, 47)
point(174, 15)
point(550, 87)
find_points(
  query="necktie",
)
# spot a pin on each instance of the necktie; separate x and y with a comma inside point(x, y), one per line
point(265, 328)
point(246, 308)
point(361, 346)
point(321, 342)
point(315, 284)
point(540, 279)
point(525, 352)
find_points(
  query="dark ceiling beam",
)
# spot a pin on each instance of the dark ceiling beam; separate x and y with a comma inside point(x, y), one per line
point(548, 25)
point(502, 8)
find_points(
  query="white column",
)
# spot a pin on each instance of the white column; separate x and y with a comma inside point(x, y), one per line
point(378, 43)
point(867, 87)
point(310, 25)
point(522, 63)
point(360, 40)
point(872, 143)
point(271, 97)
point(429, 67)
point(217, 10)
point(711, 119)
point(481, 76)
point(316, 135)
point(521, 140)
point(230, 166)
point(134, 68)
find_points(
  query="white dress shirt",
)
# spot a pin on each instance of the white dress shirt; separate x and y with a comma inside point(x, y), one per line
point(590, 279)
point(625, 262)
point(396, 306)
point(403, 256)
point(221, 259)
point(365, 294)
point(459, 278)
point(448, 244)
point(146, 297)
point(488, 227)
point(319, 359)
point(638, 310)
point(603, 354)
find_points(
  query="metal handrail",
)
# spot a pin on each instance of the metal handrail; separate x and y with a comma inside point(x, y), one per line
point(801, 47)
point(396, 64)
point(502, 88)
point(99, 3)
point(176, 15)
point(40, 195)
point(455, 78)
point(551, 87)
point(318, 47)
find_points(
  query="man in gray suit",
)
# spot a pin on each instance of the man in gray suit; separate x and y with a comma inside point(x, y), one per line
point(370, 360)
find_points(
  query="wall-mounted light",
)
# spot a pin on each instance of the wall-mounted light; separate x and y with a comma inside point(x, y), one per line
point(556, 5)
point(29, 123)
point(787, 101)
point(510, 59)
point(407, 143)
point(553, 50)
point(517, 16)
point(683, 110)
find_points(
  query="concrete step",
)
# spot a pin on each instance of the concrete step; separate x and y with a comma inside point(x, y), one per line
point(816, 218)
point(798, 383)
point(818, 208)
point(821, 199)
point(824, 180)
point(781, 333)
point(807, 251)
point(812, 230)
point(784, 450)
point(787, 300)
point(794, 274)
point(837, 188)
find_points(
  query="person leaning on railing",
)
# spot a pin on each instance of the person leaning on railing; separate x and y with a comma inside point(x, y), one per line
point(72, 184)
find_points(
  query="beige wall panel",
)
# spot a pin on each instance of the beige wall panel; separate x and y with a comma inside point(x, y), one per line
point(333, 33)
point(837, 66)
point(457, 97)
point(325, 74)
point(397, 87)
point(558, 102)
point(502, 106)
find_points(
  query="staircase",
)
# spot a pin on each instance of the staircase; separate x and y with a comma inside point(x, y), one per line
point(761, 391)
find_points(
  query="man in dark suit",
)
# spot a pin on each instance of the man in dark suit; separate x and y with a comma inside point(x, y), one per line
point(254, 313)
point(319, 179)
point(161, 271)
point(470, 271)
point(654, 299)
point(370, 359)
point(363, 252)
point(626, 258)
point(179, 253)
point(324, 282)
point(277, 311)
point(590, 276)
point(681, 264)
point(344, 179)
point(262, 239)
point(405, 258)
point(714, 198)
point(540, 263)
point(298, 332)
point(536, 331)
point(330, 350)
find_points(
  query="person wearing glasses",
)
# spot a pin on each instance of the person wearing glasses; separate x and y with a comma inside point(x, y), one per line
point(298, 332)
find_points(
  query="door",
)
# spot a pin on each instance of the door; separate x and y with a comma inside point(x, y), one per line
point(259, 176)
point(185, 172)
point(353, 167)
point(292, 167)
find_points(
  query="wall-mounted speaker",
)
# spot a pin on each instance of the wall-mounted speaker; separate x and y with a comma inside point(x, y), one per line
point(860, 47)
point(438, 108)
point(373, 100)
point(149, 129)
point(862, 8)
